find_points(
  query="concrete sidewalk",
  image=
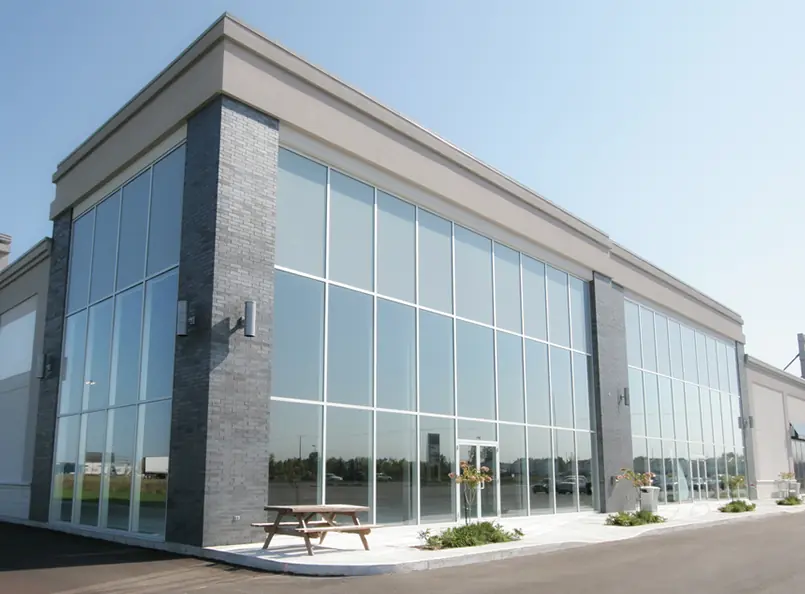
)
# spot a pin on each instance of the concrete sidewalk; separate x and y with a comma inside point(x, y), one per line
point(394, 549)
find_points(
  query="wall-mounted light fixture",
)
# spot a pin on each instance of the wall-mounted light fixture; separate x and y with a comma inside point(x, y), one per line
point(250, 319)
point(181, 318)
point(624, 396)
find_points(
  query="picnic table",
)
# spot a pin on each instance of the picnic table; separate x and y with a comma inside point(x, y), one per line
point(299, 520)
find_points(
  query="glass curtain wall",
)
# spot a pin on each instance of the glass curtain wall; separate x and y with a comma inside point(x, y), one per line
point(685, 406)
point(113, 429)
point(398, 332)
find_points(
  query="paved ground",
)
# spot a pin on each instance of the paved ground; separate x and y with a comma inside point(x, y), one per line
point(749, 556)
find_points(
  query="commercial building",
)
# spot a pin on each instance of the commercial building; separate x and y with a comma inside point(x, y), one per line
point(414, 307)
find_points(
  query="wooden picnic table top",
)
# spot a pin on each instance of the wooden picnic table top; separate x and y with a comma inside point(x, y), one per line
point(316, 509)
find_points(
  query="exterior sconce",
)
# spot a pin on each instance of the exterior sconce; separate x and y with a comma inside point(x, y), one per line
point(624, 396)
point(250, 319)
point(181, 318)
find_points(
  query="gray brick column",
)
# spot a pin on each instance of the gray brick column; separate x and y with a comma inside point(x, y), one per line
point(219, 434)
point(747, 412)
point(611, 376)
point(49, 385)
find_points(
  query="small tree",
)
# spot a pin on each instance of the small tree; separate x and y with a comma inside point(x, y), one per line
point(736, 484)
point(470, 478)
point(638, 480)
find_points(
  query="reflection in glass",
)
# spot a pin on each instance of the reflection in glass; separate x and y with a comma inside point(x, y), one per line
point(396, 249)
point(732, 369)
point(663, 353)
point(568, 480)
point(99, 342)
point(152, 468)
point(72, 373)
point(581, 390)
point(652, 404)
point(294, 449)
point(159, 335)
point(64, 467)
point(579, 306)
point(723, 368)
point(656, 466)
point(435, 364)
point(394, 477)
point(633, 353)
point(473, 276)
point(675, 341)
point(672, 478)
point(396, 355)
point(636, 407)
point(349, 371)
point(712, 362)
point(104, 250)
point(689, 355)
point(80, 255)
point(351, 231)
point(585, 446)
point(301, 206)
point(537, 386)
point(477, 430)
point(647, 339)
point(707, 419)
point(120, 461)
point(640, 454)
point(511, 399)
point(534, 301)
point(701, 358)
point(716, 406)
point(487, 456)
point(133, 229)
point(475, 371)
point(349, 457)
point(435, 262)
point(507, 289)
point(558, 312)
point(561, 387)
point(513, 467)
point(165, 227)
point(694, 413)
point(666, 408)
point(91, 468)
point(126, 347)
point(683, 477)
point(298, 351)
point(437, 496)
point(731, 414)
point(680, 416)
point(540, 462)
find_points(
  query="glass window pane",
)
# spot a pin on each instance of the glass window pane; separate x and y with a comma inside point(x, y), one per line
point(585, 446)
point(640, 453)
point(681, 472)
point(507, 289)
point(301, 218)
point(394, 477)
point(298, 352)
point(663, 353)
point(476, 374)
point(159, 335)
point(652, 403)
point(689, 355)
point(64, 468)
point(513, 486)
point(567, 478)
point(99, 352)
point(540, 462)
point(666, 408)
point(126, 347)
point(153, 466)
point(537, 383)
point(80, 255)
point(712, 362)
point(436, 364)
point(90, 467)
point(732, 369)
point(294, 471)
point(437, 494)
point(656, 466)
point(435, 262)
point(396, 355)
point(477, 430)
point(120, 460)
point(707, 418)
point(396, 247)
point(636, 406)
point(351, 231)
point(694, 412)
point(561, 390)
point(581, 390)
point(716, 406)
point(534, 303)
point(473, 276)
point(579, 314)
point(558, 312)
point(647, 339)
point(349, 348)
point(72, 365)
point(675, 340)
point(701, 358)
point(104, 250)
point(511, 399)
point(17, 334)
point(723, 368)
point(165, 227)
point(732, 411)
point(633, 335)
point(133, 229)
point(349, 457)
point(680, 415)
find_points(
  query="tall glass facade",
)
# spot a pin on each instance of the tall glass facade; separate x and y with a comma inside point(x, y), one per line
point(399, 333)
point(685, 405)
point(113, 429)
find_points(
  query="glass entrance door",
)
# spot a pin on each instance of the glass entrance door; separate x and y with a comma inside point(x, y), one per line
point(699, 478)
point(484, 502)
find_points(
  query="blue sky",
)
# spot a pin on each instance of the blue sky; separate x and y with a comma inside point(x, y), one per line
point(677, 128)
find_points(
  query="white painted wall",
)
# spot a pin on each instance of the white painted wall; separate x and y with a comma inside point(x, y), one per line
point(771, 438)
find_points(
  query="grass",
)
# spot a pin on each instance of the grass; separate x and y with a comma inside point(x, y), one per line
point(790, 500)
point(640, 518)
point(152, 490)
point(469, 535)
point(737, 506)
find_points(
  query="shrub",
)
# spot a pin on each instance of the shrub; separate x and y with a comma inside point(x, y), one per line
point(737, 506)
point(469, 535)
point(790, 500)
point(639, 518)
